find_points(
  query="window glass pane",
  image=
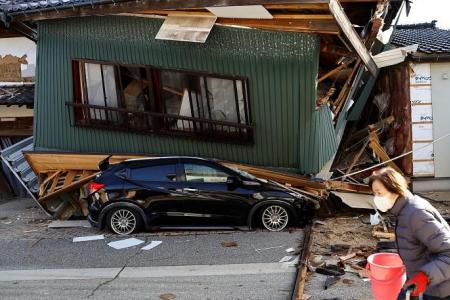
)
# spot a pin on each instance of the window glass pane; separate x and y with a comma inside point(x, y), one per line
point(94, 84)
point(101, 90)
point(109, 80)
point(165, 173)
point(204, 174)
point(222, 98)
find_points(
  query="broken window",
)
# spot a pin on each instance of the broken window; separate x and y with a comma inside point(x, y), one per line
point(148, 99)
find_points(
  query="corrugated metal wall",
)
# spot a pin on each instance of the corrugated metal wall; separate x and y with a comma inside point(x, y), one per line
point(281, 67)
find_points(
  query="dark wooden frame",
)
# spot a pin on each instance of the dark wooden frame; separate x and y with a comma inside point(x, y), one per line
point(82, 109)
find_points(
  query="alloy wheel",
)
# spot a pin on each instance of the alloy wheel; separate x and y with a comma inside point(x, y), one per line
point(123, 221)
point(275, 218)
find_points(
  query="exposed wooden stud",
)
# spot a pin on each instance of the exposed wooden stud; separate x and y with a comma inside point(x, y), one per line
point(292, 16)
point(347, 28)
point(315, 26)
point(379, 151)
point(356, 158)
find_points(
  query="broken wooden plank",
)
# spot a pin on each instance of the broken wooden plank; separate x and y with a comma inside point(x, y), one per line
point(356, 158)
point(379, 151)
point(347, 28)
point(68, 188)
point(384, 235)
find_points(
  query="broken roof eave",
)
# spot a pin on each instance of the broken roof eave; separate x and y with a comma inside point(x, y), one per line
point(338, 21)
point(429, 57)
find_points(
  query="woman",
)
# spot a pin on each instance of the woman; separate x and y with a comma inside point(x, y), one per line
point(422, 235)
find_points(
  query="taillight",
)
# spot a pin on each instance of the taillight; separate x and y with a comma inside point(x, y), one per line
point(95, 186)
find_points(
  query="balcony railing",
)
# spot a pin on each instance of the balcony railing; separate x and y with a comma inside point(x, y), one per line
point(145, 122)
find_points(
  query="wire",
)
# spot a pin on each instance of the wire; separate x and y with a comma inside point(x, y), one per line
point(392, 159)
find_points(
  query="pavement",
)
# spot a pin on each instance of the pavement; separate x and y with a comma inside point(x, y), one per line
point(37, 262)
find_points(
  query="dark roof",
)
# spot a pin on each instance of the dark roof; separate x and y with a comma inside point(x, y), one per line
point(431, 39)
point(17, 95)
point(32, 5)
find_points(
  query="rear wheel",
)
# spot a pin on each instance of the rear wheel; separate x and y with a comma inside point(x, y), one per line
point(124, 220)
point(274, 217)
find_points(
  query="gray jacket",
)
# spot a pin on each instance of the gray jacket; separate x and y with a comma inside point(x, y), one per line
point(423, 241)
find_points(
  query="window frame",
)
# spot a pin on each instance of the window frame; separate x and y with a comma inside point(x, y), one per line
point(80, 98)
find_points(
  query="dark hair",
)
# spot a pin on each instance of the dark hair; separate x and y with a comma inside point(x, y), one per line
point(392, 180)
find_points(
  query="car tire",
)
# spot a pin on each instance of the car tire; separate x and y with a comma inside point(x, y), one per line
point(123, 220)
point(275, 217)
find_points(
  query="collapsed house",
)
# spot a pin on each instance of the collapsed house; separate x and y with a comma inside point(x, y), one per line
point(260, 85)
point(17, 61)
point(404, 116)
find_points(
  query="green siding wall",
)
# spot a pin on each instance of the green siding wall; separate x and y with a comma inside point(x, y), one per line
point(281, 67)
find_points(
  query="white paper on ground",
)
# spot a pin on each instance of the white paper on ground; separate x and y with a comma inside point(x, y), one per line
point(289, 250)
point(152, 245)
point(88, 238)
point(291, 263)
point(69, 223)
point(285, 259)
point(374, 219)
point(125, 243)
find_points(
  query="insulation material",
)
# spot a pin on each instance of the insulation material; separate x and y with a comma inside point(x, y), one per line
point(423, 168)
point(420, 94)
point(422, 113)
point(186, 28)
point(422, 132)
point(422, 151)
point(241, 12)
point(422, 118)
point(420, 74)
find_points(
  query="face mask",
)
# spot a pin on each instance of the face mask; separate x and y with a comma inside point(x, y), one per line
point(384, 203)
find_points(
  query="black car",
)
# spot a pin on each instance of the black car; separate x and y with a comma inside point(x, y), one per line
point(166, 192)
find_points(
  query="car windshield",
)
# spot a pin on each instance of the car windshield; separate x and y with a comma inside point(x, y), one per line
point(244, 174)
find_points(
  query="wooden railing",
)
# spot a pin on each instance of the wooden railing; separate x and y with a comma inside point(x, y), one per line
point(114, 118)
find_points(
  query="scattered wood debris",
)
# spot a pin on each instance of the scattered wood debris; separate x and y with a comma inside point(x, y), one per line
point(229, 244)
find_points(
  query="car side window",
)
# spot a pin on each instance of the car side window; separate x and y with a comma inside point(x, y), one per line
point(164, 173)
point(204, 174)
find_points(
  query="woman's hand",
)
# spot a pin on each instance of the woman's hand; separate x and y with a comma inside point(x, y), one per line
point(420, 281)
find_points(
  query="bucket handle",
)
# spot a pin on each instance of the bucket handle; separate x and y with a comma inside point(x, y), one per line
point(367, 273)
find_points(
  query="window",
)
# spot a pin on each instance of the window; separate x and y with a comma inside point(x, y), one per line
point(100, 89)
point(204, 174)
point(161, 173)
point(152, 100)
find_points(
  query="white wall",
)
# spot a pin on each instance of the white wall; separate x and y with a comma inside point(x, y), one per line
point(440, 77)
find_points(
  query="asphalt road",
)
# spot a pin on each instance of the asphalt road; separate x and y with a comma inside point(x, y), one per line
point(187, 265)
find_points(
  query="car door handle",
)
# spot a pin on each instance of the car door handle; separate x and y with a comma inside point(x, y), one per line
point(190, 190)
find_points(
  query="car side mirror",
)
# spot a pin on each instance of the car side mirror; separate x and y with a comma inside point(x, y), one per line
point(232, 181)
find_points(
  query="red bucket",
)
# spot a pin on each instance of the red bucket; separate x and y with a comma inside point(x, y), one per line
point(387, 275)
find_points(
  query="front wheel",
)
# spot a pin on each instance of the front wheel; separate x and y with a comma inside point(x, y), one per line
point(124, 220)
point(274, 217)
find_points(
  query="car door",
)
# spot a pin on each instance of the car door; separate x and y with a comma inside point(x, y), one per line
point(209, 199)
point(157, 186)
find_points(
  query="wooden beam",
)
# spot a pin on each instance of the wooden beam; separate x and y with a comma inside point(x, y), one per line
point(347, 28)
point(67, 189)
point(209, 14)
point(301, 6)
point(91, 9)
point(16, 132)
point(313, 26)
point(332, 72)
point(379, 151)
